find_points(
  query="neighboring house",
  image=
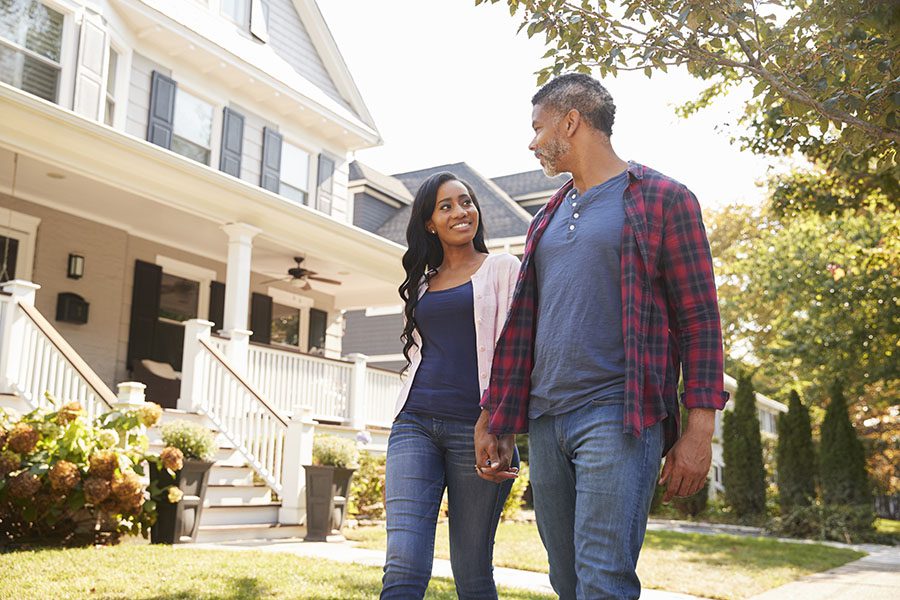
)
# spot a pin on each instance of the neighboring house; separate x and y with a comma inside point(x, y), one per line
point(531, 189)
point(162, 163)
point(767, 411)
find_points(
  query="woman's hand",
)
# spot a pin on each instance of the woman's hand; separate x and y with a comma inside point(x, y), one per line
point(493, 454)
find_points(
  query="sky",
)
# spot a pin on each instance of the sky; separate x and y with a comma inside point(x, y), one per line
point(447, 81)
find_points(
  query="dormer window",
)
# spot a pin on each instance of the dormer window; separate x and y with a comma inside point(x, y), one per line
point(31, 47)
point(237, 11)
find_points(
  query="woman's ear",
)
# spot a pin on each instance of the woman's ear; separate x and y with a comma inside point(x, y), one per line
point(429, 227)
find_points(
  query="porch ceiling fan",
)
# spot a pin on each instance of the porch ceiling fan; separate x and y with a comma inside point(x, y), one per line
point(300, 277)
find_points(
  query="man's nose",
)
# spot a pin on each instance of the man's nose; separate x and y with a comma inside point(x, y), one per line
point(532, 145)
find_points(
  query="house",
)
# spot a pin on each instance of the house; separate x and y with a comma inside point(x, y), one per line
point(174, 177)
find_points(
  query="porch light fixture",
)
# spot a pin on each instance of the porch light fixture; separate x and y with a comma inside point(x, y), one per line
point(76, 266)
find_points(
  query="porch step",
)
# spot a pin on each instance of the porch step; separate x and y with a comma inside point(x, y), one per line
point(238, 495)
point(231, 475)
point(245, 514)
point(250, 531)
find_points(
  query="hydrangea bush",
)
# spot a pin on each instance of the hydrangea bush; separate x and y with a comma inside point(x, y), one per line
point(67, 481)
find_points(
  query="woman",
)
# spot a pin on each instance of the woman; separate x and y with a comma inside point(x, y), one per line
point(456, 297)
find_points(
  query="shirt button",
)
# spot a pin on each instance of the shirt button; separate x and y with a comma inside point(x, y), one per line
point(482, 348)
point(574, 204)
point(576, 215)
point(478, 296)
point(571, 228)
point(483, 376)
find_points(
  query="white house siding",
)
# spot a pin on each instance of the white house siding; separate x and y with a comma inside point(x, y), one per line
point(251, 160)
point(104, 249)
point(290, 40)
point(340, 205)
point(139, 94)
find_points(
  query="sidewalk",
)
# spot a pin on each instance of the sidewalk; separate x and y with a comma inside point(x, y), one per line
point(346, 552)
point(869, 578)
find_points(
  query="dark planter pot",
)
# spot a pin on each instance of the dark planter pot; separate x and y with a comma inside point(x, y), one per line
point(327, 490)
point(178, 523)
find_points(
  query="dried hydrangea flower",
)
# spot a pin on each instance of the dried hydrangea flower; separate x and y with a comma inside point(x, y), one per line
point(126, 485)
point(69, 412)
point(172, 458)
point(63, 476)
point(23, 438)
point(104, 464)
point(96, 490)
point(24, 485)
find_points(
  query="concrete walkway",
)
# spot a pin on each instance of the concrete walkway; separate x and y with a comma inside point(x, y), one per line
point(873, 577)
point(346, 552)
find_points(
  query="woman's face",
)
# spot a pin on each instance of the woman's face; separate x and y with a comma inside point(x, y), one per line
point(455, 218)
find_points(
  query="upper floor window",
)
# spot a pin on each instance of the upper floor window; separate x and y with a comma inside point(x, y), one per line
point(31, 47)
point(325, 184)
point(236, 10)
point(192, 129)
point(294, 173)
point(109, 112)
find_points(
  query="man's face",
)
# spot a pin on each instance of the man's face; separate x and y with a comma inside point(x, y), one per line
point(549, 144)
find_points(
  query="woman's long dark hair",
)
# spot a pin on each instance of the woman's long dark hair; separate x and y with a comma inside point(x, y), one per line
point(424, 252)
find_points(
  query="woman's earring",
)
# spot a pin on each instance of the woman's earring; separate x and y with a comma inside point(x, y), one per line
point(432, 231)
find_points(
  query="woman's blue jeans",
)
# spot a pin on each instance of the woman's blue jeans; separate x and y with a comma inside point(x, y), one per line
point(425, 455)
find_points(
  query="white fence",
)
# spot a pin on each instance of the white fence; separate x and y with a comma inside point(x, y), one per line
point(35, 359)
point(382, 388)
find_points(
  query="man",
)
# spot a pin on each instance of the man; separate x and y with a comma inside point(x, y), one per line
point(615, 300)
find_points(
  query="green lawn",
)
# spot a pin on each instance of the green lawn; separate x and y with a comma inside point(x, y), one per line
point(141, 572)
point(712, 566)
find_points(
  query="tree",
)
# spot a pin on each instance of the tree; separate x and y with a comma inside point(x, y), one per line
point(843, 462)
point(805, 296)
point(824, 71)
point(796, 457)
point(744, 475)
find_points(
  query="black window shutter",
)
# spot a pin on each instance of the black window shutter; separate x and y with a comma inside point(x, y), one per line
point(270, 179)
point(232, 142)
point(325, 181)
point(144, 311)
point(162, 110)
point(318, 323)
point(9, 259)
point(217, 304)
point(261, 318)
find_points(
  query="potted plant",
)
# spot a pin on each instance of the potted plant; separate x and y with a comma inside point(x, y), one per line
point(181, 474)
point(328, 486)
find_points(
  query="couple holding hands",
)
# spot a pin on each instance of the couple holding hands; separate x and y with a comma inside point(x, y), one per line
point(582, 346)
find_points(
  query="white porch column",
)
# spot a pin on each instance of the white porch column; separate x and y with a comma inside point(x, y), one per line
point(13, 330)
point(298, 444)
point(192, 363)
point(358, 392)
point(237, 277)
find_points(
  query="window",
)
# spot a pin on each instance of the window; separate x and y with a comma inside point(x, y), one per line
point(179, 298)
point(31, 47)
point(9, 253)
point(318, 323)
point(109, 112)
point(325, 185)
point(294, 174)
point(192, 132)
point(237, 11)
point(285, 325)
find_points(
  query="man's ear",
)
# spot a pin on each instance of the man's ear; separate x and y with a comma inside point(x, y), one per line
point(572, 121)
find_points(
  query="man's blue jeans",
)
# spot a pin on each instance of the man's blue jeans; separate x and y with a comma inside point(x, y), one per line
point(592, 488)
point(425, 455)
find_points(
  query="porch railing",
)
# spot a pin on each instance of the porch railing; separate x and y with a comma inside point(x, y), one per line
point(35, 359)
point(382, 388)
point(290, 380)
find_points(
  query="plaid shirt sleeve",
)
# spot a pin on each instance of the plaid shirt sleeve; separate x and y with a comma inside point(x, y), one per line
point(687, 270)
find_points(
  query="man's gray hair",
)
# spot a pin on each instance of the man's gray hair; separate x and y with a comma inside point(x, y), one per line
point(583, 93)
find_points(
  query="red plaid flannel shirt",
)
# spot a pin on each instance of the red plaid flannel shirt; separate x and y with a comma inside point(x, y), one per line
point(670, 314)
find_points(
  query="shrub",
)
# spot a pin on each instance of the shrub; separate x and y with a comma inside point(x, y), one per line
point(819, 521)
point(513, 505)
point(842, 458)
point(194, 440)
point(692, 506)
point(367, 488)
point(744, 474)
point(796, 457)
point(331, 450)
point(67, 481)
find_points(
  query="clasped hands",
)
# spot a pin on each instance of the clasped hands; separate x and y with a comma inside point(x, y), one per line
point(493, 453)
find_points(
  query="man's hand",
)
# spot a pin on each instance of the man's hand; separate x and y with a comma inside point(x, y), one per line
point(687, 463)
point(493, 454)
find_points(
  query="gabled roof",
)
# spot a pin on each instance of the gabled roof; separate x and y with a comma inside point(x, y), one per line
point(503, 217)
point(384, 183)
point(530, 183)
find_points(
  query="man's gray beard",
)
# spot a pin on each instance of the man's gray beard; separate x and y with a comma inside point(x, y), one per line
point(551, 155)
